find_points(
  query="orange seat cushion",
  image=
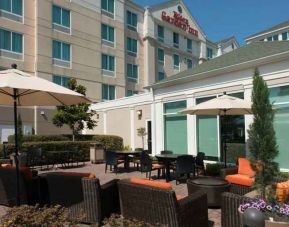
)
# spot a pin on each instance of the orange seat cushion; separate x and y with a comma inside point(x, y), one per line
point(240, 179)
point(245, 167)
point(156, 184)
point(157, 166)
point(282, 191)
point(179, 197)
point(25, 170)
point(88, 175)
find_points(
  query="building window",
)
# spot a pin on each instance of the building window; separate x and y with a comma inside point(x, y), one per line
point(275, 37)
point(176, 61)
point(12, 6)
point(11, 41)
point(175, 127)
point(132, 73)
point(161, 76)
point(107, 63)
point(270, 38)
point(131, 20)
point(108, 92)
point(61, 80)
point(108, 6)
point(131, 46)
point(61, 53)
point(189, 45)
point(279, 97)
point(161, 33)
point(161, 56)
point(189, 63)
point(60, 16)
point(176, 39)
point(285, 36)
point(107, 34)
point(209, 53)
point(131, 93)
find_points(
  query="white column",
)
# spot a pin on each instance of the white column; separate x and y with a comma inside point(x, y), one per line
point(248, 118)
point(153, 119)
point(35, 120)
point(159, 124)
point(104, 123)
point(191, 128)
point(132, 127)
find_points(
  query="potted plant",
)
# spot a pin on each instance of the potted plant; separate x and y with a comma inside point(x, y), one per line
point(277, 215)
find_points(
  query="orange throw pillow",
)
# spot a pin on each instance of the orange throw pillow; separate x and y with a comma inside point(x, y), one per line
point(25, 170)
point(88, 175)
point(179, 197)
point(156, 184)
point(245, 167)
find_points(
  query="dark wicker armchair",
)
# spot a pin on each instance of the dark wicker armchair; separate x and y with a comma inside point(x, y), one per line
point(160, 206)
point(28, 186)
point(85, 197)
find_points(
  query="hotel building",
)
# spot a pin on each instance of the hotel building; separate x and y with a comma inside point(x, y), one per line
point(114, 48)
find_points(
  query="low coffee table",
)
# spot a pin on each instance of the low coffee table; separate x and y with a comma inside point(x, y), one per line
point(213, 186)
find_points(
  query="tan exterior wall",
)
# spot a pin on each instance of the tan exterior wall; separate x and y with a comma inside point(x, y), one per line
point(118, 123)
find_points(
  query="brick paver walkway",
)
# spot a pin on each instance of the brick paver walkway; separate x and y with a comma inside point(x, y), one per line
point(98, 170)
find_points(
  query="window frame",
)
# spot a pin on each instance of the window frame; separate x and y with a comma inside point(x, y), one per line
point(61, 79)
point(161, 39)
point(210, 53)
point(191, 42)
point(61, 19)
point(133, 66)
point(283, 35)
point(189, 59)
point(162, 62)
point(176, 66)
point(105, 11)
point(19, 54)
point(177, 36)
point(130, 25)
point(106, 41)
point(131, 52)
point(20, 17)
point(61, 53)
point(108, 58)
point(164, 76)
point(109, 87)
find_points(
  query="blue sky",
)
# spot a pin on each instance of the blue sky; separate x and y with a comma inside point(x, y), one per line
point(223, 18)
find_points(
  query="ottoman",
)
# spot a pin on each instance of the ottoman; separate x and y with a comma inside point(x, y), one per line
point(213, 186)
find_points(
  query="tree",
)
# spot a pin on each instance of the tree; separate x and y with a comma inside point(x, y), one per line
point(75, 116)
point(141, 132)
point(262, 139)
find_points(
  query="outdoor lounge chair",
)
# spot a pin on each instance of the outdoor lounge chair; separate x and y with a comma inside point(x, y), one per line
point(241, 177)
point(112, 160)
point(156, 203)
point(185, 165)
point(28, 186)
point(148, 166)
point(82, 195)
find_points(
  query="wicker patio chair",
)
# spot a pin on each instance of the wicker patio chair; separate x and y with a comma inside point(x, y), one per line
point(185, 165)
point(160, 207)
point(199, 163)
point(84, 197)
point(112, 160)
point(148, 166)
point(28, 186)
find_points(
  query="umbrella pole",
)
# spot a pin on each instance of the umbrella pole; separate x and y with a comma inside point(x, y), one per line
point(225, 138)
point(16, 148)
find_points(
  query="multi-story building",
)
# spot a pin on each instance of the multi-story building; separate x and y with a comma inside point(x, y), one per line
point(114, 48)
point(279, 32)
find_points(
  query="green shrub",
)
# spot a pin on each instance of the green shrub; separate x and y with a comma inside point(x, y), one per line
point(284, 174)
point(40, 138)
point(109, 142)
point(36, 216)
point(214, 169)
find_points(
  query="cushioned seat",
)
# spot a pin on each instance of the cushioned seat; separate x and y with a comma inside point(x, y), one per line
point(240, 179)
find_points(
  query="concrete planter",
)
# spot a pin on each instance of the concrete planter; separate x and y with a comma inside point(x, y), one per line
point(269, 223)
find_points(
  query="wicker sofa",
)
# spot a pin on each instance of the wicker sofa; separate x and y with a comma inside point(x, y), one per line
point(159, 206)
point(86, 199)
point(28, 183)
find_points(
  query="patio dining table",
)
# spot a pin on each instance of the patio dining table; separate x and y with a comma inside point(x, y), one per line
point(167, 160)
point(126, 155)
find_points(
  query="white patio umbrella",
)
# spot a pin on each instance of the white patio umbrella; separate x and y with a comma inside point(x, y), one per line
point(222, 105)
point(21, 89)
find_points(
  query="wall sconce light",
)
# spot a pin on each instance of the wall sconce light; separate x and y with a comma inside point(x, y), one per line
point(139, 114)
point(97, 116)
point(42, 113)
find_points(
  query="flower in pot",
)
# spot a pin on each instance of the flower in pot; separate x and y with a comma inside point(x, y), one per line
point(276, 214)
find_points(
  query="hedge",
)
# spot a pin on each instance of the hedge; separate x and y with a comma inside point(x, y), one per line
point(108, 141)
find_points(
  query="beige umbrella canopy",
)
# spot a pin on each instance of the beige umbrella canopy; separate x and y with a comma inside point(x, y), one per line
point(34, 91)
point(222, 105)
point(19, 88)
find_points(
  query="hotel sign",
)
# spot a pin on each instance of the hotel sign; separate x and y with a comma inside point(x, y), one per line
point(178, 20)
